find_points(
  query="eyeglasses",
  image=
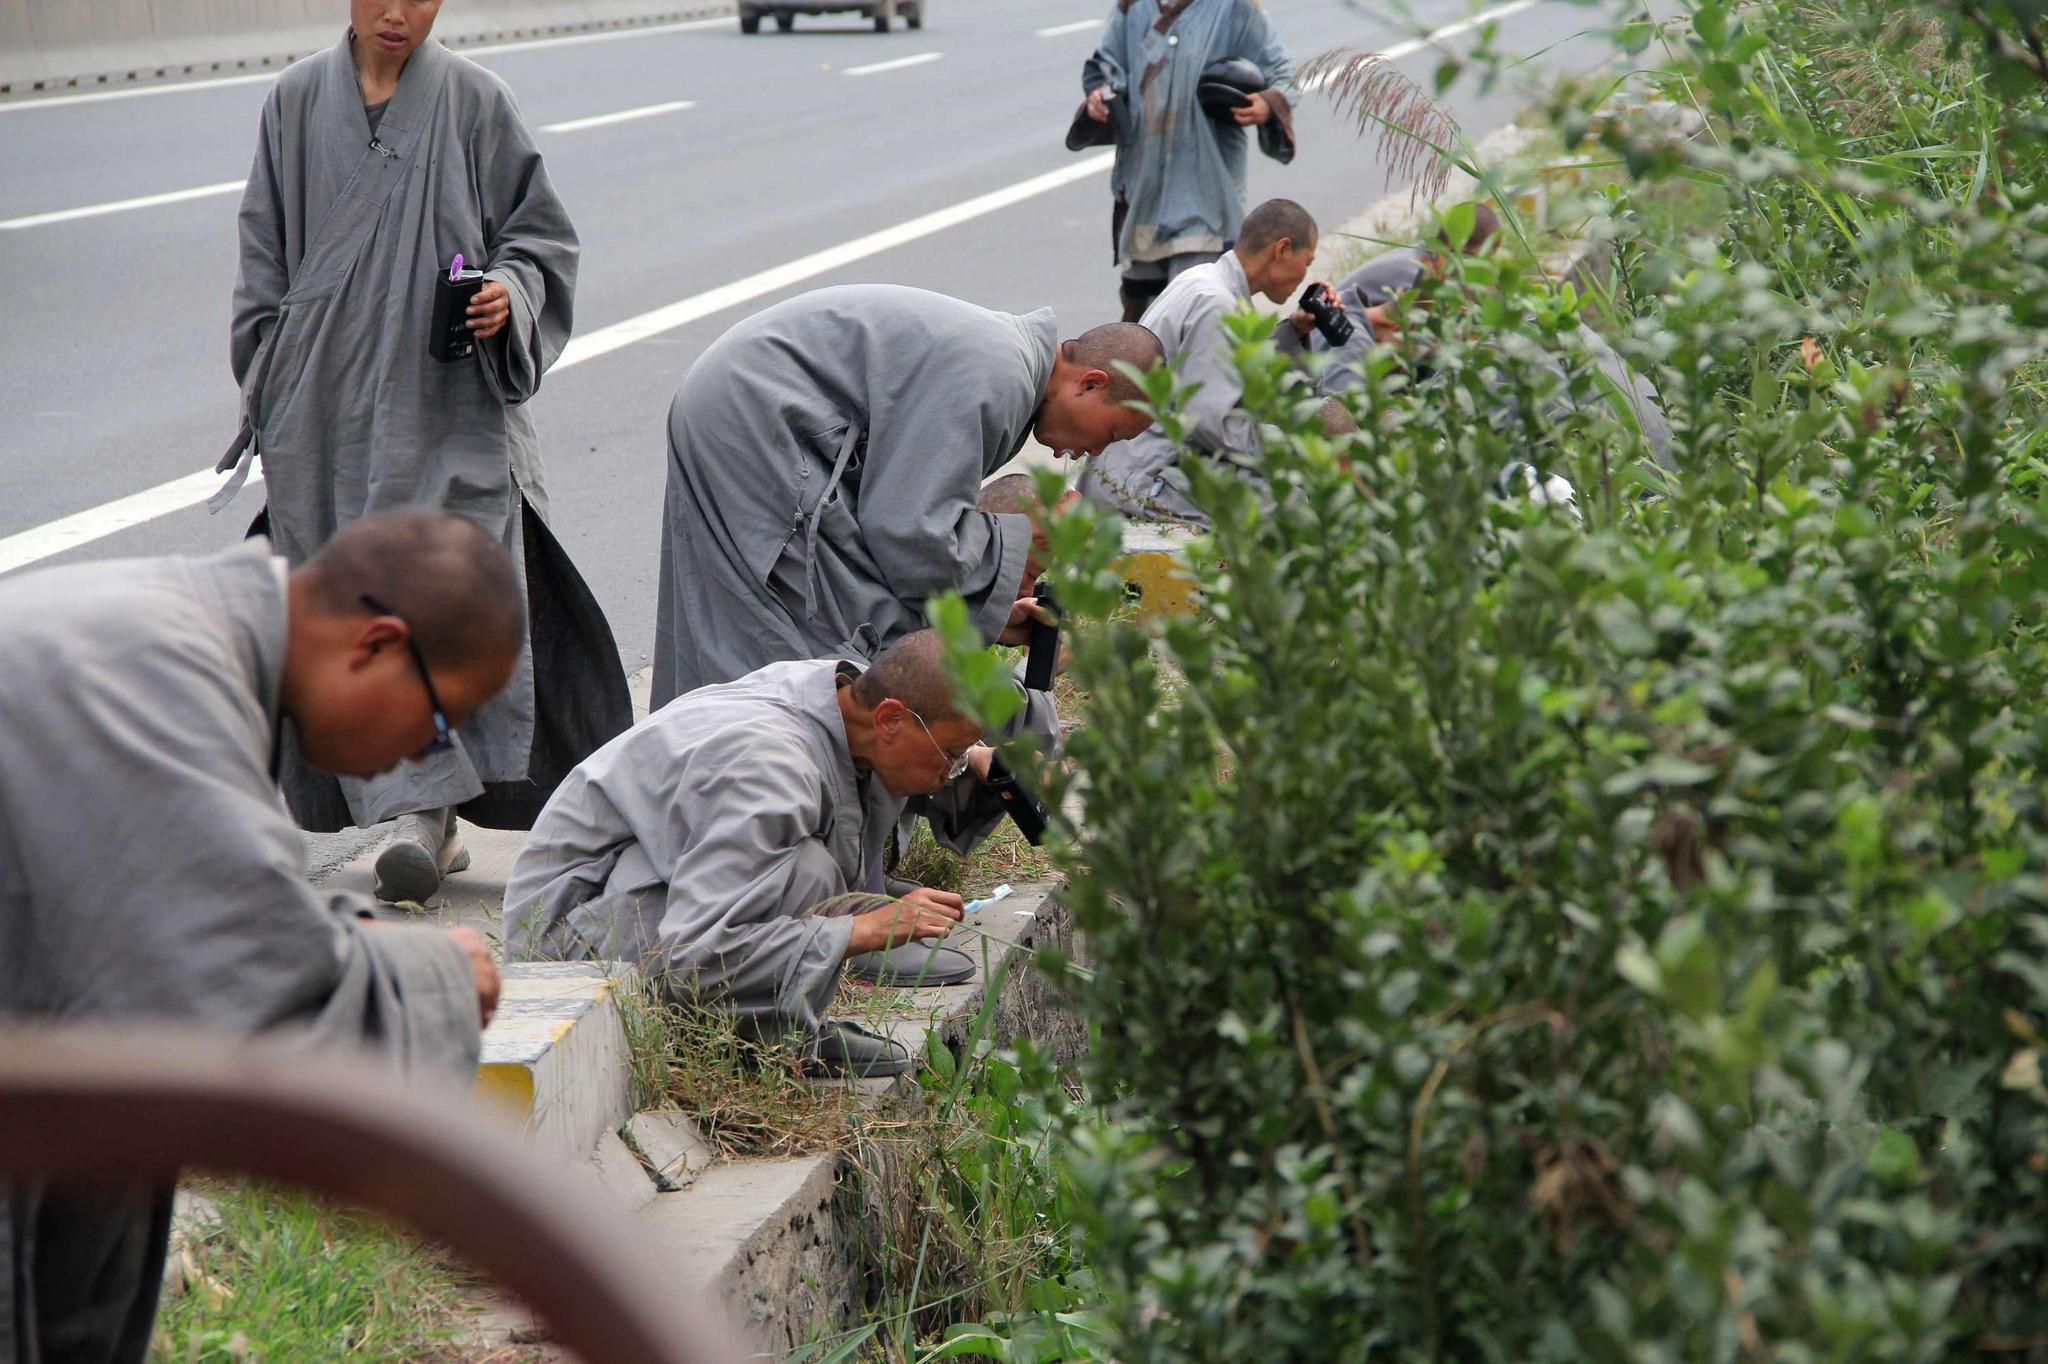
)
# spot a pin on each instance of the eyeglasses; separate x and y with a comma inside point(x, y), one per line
point(444, 739)
point(956, 768)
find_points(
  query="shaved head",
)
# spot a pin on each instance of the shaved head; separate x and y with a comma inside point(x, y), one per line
point(452, 584)
point(910, 671)
point(1010, 495)
point(1273, 220)
point(1115, 343)
point(1485, 227)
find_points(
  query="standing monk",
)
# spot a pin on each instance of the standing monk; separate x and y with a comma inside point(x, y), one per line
point(1179, 180)
point(824, 460)
point(377, 163)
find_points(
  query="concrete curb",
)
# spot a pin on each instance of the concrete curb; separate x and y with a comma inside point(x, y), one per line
point(64, 46)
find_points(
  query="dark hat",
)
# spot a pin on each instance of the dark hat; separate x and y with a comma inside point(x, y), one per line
point(1228, 85)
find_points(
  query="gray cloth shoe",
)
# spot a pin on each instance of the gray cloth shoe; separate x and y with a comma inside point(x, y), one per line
point(912, 965)
point(899, 887)
point(844, 1049)
point(425, 848)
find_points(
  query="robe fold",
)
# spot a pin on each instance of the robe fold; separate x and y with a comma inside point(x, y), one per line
point(825, 457)
point(714, 845)
point(344, 234)
point(148, 870)
point(1138, 477)
point(1179, 178)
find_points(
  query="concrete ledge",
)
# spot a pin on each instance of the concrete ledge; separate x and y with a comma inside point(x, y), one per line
point(555, 1057)
point(764, 1238)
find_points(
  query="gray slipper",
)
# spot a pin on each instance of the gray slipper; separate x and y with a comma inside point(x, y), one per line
point(842, 1048)
point(912, 965)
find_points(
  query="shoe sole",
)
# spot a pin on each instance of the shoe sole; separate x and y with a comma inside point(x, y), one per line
point(406, 873)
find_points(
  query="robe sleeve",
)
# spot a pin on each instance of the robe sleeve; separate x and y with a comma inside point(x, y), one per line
point(1216, 424)
point(1110, 60)
point(738, 926)
point(531, 246)
point(928, 452)
point(263, 276)
point(1262, 46)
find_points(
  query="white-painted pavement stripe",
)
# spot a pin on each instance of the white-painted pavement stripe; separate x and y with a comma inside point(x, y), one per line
point(1057, 29)
point(895, 64)
point(176, 196)
point(608, 339)
point(1399, 51)
point(95, 523)
point(216, 82)
point(54, 537)
point(623, 116)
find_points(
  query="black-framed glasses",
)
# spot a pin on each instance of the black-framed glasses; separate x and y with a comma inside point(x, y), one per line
point(444, 740)
point(956, 768)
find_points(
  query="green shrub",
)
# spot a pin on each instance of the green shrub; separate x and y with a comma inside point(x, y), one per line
point(1532, 934)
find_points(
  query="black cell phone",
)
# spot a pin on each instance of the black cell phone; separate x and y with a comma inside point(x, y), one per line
point(1043, 660)
point(452, 338)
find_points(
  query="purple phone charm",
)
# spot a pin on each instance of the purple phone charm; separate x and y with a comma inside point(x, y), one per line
point(455, 268)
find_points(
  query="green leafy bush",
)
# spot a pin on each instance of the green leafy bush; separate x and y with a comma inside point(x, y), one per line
point(1614, 932)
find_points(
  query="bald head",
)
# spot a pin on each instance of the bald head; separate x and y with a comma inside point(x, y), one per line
point(453, 585)
point(1485, 227)
point(913, 672)
point(1010, 495)
point(1272, 221)
point(1111, 346)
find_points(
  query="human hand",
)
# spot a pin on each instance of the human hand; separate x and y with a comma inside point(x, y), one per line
point(1252, 114)
point(1024, 613)
point(1305, 321)
point(924, 913)
point(490, 310)
point(978, 759)
point(1386, 328)
point(482, 968)
point(1098, 103)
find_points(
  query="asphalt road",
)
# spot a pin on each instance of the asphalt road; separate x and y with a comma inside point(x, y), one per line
point(113, 326)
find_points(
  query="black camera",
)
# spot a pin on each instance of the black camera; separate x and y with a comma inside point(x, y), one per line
point(1042, 662)
point(1019, 804)
point(1331, 319)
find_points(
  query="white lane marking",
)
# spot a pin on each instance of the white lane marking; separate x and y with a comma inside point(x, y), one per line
point(216, 82)
point(1414, 45)
point(54, 537)
point(608, 339)
point(895, 64)
point(1057, 29)
point(176, 196)
point(623, 116)
point(95, 523)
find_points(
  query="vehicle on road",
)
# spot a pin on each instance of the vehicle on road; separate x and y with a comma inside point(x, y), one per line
point(784, 12)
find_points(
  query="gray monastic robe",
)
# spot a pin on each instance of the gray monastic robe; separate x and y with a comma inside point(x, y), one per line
point(148, 870)
point(343, 235)
point(824, 460)
point(714, 845)
point(1137, 477)
point(1179, 179)
point(1396, 272)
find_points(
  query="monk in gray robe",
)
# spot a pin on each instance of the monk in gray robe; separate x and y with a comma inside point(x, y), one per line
point(378, 162)
point(1139, 477)
point(1178, 186)
point(149, 870)
point(723, 843)
point(824, 458)
point(1367, 293)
